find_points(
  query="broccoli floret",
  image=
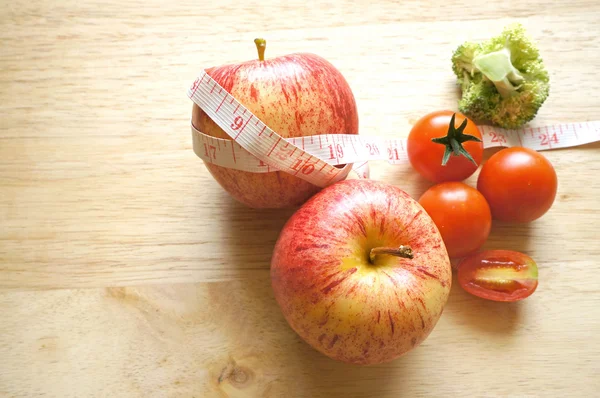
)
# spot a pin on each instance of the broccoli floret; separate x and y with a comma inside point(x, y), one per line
point(503, 79)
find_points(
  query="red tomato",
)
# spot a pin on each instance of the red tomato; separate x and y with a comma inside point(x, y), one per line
point(461, 214)
point(499, 275)
point(519, 184)
point(426, 156)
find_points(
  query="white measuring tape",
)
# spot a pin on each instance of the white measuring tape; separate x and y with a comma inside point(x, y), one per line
point(258, 149)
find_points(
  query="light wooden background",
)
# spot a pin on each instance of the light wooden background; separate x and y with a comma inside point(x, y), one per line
point(125, 270)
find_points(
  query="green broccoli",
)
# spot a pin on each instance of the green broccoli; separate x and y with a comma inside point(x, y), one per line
point(503, 79)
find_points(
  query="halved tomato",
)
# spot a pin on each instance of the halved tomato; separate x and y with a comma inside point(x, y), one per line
point(498, 275)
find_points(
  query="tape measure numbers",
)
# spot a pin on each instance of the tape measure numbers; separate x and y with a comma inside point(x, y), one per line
point(257, 138)
point(258, 149)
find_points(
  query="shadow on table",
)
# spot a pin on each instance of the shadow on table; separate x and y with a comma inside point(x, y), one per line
point(250, 235)
point(511, 236)
point(486, 316)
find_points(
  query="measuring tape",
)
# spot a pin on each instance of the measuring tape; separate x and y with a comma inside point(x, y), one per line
point(258, 149)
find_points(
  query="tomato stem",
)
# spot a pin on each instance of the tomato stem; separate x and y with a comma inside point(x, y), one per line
point(402, 251)
point(454, 139)
point(261, 45)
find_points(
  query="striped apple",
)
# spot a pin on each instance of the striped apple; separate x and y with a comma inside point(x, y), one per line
point(296, 95)
point(361, 272)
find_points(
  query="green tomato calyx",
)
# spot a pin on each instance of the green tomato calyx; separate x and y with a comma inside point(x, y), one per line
point(453, 141)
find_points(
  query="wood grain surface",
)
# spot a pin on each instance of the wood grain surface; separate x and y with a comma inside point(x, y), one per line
point(126, 271)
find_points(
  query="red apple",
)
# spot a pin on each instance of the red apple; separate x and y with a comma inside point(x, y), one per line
point(361, 273)
point(295, 95)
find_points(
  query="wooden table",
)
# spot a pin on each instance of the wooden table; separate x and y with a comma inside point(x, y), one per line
point(126, 271)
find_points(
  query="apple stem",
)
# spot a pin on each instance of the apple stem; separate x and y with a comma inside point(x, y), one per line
point(261, 44)
point(402, 251)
